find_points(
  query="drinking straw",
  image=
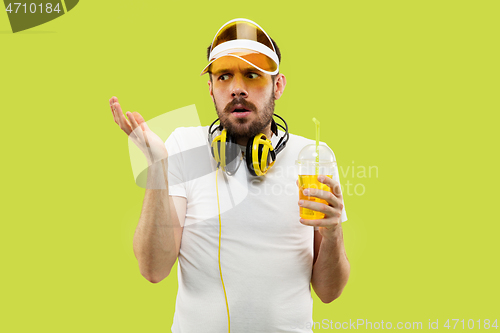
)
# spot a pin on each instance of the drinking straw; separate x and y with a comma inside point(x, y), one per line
point(317, 145)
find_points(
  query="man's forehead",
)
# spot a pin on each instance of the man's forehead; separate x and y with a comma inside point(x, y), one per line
point(231, 64)
point(231, 69)
point(236, 64)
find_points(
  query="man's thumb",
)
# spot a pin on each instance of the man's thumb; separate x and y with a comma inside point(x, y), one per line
point(140, 121)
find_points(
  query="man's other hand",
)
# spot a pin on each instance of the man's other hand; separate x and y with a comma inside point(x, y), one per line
point(332, 210)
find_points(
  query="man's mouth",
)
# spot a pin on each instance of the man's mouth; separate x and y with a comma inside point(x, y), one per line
point(239, 111)
point(240, 108)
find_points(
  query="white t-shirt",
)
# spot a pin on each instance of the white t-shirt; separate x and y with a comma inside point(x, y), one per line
point(266, 253)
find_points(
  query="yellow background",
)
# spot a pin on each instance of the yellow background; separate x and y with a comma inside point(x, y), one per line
point(408, 87)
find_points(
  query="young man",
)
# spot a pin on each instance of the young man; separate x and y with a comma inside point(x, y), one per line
point(245, 261)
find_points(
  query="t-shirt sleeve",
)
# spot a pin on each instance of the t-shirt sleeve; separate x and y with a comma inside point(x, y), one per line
point(176, 176)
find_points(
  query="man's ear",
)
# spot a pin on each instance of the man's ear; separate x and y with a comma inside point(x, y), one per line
point(279, 86)
point(210, 90)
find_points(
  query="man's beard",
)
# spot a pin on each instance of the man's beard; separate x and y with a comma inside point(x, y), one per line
point(242, 126)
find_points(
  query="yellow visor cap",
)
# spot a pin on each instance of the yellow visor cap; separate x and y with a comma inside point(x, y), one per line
point(246, 40)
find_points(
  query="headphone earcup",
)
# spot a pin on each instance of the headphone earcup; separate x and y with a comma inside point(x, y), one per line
point(212, 151)
point(225, 145)
point(249, 158)
point(232, 150)
point(216, 148)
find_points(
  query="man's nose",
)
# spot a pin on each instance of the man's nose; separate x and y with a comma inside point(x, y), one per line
point(238, 88)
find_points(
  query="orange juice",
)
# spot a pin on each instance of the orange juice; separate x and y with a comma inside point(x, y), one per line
point(311, 181)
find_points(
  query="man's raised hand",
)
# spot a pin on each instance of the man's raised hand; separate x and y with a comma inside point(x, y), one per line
point(138, 131)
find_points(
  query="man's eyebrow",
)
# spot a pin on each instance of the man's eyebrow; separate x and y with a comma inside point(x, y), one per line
point(223, 70)
point(246, 70)
point(251, 70)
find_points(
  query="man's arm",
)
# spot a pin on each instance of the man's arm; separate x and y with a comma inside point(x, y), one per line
point(331, 267)
point(157, 238)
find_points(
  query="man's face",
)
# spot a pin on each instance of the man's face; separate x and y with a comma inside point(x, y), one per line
point(243, 96)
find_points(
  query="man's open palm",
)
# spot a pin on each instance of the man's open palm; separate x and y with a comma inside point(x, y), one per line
point(138, 131)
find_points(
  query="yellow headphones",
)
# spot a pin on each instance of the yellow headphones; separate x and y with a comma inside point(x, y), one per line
point(260, 154)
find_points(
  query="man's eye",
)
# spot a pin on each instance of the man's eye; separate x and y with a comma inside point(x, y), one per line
point(224, 77)
point(253, 75)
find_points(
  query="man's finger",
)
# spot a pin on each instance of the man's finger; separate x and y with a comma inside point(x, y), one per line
point(114, 116)
point(316, 206)
point(112, 109)
point(328, 196)
point(141, 121)
point(112, 100)
point(132, 120)
point(318, 223)
point(124, 124)
point(332, 184)
point(137, 131)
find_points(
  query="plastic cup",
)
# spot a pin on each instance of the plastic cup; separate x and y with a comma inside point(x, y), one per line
point(310, 165)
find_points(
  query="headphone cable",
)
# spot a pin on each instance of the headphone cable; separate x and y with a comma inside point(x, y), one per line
point(220, 269)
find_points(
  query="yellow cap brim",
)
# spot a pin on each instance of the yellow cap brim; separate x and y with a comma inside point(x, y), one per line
point(258, 60)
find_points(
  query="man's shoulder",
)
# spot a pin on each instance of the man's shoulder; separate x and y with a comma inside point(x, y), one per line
point(190, 131)
point(299, 138)
point(188, 137)
point(299, 141)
